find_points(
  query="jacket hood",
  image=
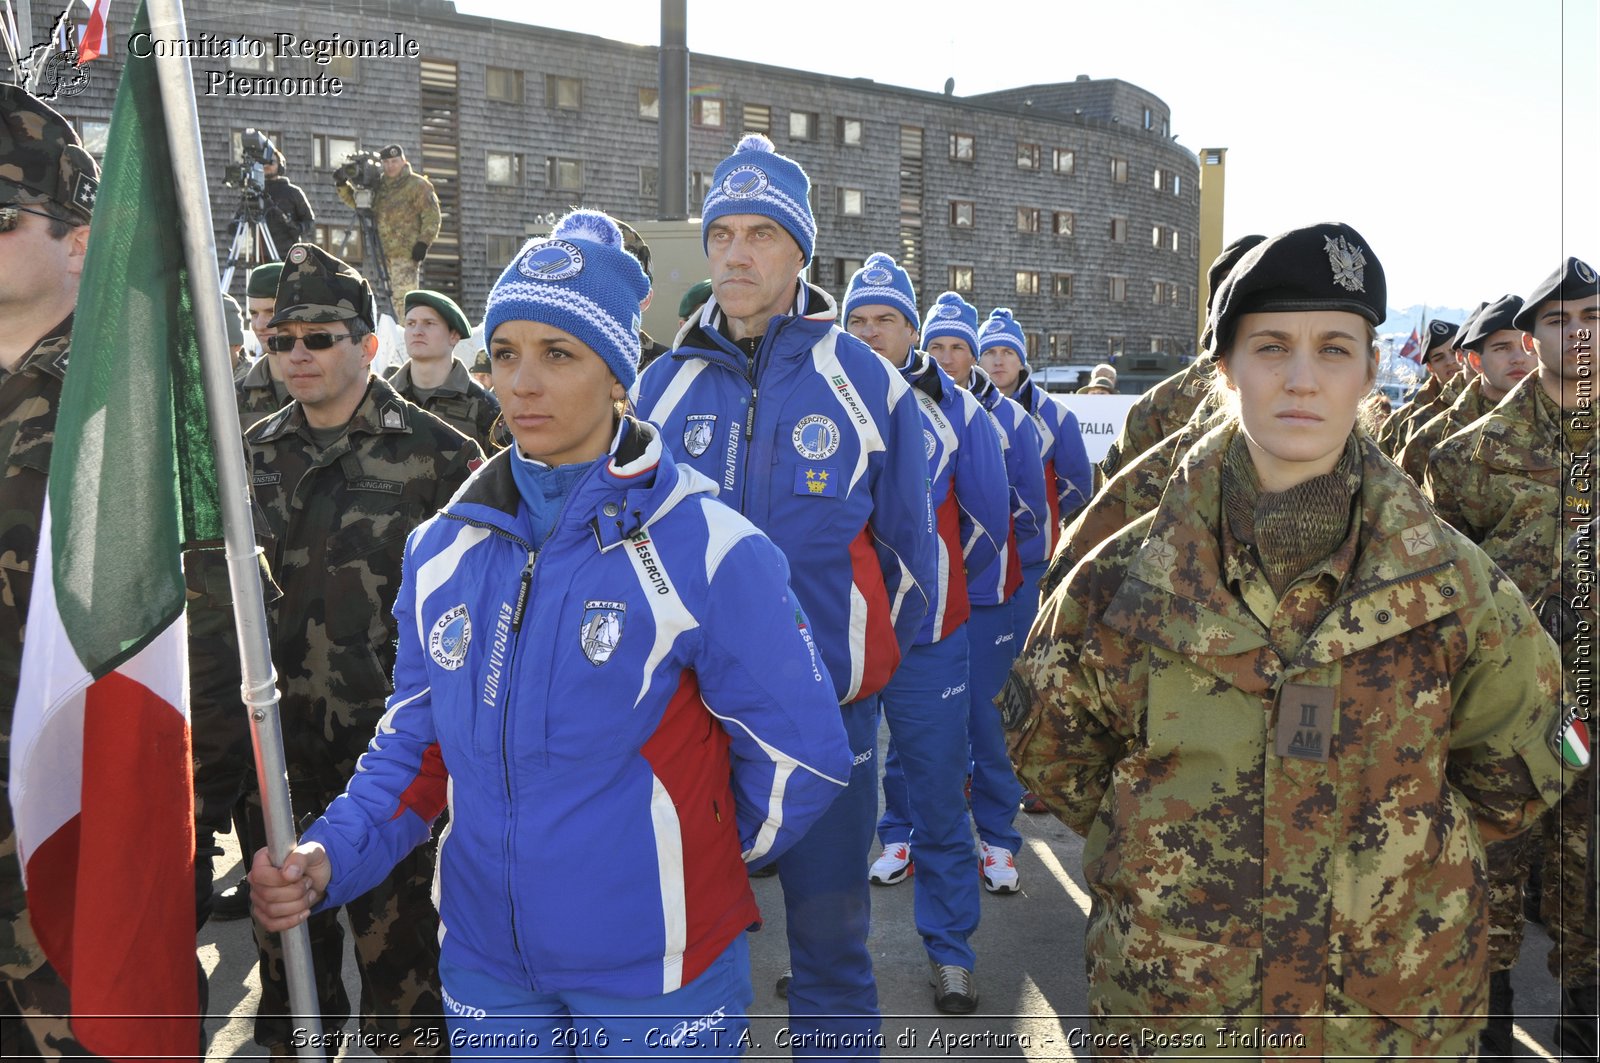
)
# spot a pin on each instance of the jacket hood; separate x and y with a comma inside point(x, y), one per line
point(634, 485)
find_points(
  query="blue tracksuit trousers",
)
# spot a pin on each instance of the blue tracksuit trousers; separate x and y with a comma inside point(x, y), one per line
point(995, 790)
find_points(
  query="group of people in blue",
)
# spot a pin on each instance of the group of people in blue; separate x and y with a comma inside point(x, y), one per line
point(843, 486)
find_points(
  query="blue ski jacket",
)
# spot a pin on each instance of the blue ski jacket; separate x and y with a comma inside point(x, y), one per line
point(1029, 500)
point(1068, 478)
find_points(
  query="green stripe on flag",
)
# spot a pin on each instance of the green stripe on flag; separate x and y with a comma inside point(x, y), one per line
point(133, 472)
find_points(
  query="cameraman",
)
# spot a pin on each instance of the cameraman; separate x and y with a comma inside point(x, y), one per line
point(406, 210)
point(288, 213)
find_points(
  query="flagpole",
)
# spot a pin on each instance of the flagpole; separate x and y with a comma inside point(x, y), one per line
point(249, 610)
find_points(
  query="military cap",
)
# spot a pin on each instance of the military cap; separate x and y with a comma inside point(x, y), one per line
point(1440, 334)
point(1460, 332)
point(1574, 280)
point(1221, 266)
point(634, 244)
point(481, 363)
point(263, 282)
point(392, 151)
point(445, 306)
point(694, 299)
point(233, 318)
point(317, 287)
point(1496, 317)
point(1319, 267)
point(41, 158)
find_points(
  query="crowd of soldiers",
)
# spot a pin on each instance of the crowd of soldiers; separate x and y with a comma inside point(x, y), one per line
point(966, 489)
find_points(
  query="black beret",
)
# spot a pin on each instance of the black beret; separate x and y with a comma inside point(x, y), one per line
point(1221, 266)
point(263, 282)
point(1496, 317)
point(1574, 280)
point(392, 151)
point(1460, 332)
point(1439, 334)
point(1319, 267)
point(444, 306)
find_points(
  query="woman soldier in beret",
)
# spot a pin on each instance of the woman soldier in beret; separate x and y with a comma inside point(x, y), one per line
point(1286, 709)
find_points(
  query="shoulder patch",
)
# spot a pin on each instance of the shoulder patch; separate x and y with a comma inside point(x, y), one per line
point(393, 414)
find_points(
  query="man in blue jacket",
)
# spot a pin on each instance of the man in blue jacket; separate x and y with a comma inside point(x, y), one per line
point(819, 443)
point(926, 701)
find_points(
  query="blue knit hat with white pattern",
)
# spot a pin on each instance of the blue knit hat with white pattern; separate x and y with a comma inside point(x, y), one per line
point(880, 282)
point(951, 315)
point(755, 179)
point(579, 280)
point(1002, 331)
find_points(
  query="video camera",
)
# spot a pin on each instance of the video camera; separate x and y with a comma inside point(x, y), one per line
point(363, 169)
point(249, 173)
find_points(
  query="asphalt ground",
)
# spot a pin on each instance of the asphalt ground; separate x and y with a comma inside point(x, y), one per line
point(1030, 976)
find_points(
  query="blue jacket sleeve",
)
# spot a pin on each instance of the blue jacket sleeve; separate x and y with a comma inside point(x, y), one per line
point(1072, 463)
point(981, 491)
point(1029, 502)
point(398, 790)
point(762, 676)
point(902, 515)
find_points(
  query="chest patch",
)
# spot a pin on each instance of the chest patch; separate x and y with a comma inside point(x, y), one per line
point(816, 438)
point(697, 433)
point(450, 637)
point(601, 630)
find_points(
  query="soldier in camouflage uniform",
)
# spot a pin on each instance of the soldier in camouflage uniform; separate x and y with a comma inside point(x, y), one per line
point(1285, 709)
point(433, 378)
point(1168, 406)
point(47, 189)
point(1498, 361)
point(1434, 395)
point(406, 209)
point(261, 390)
point(342, 475)
point(1517, 482)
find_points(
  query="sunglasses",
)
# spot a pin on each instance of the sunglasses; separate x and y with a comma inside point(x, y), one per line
point(314, 341)
point(11, 217)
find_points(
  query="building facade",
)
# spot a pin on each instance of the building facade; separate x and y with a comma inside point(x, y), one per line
point(1072, 202)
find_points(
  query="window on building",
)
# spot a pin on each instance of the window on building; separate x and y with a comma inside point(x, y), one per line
point(1114, 346)
point(650, 104)
point(1149, 119)
point(1059, 346)
point(1035, 343)
point(1119, 230)
point(503, 84)
point(706, 112)
point(563, 93)
point(93, 133)
point(1061, 222)
point(699, 186)
point(961, 278)
point(1156, 236)
point(1157, 344)
point(849, 131)
point(963, 148)
point(1159, 179)
point(802, 125)
point(563, 175)
point(503, 168)
point(757, 118)
point(963, 213)
point(248, 59)
point(1117, 289)
point(1027, 219)
point(501, 249)
point(845, 268)
point(329, 152)
point(343, 241)
point(852, 202)
point(1158, 293)
point(1027, 282)
point(910, 142)
point(1177, 184)
point(649, 184)
point(1061, 285)
point(1214, 156)
point(1174, 294)
point(1027, 156)
point(1119, 171)
point(1063, 160)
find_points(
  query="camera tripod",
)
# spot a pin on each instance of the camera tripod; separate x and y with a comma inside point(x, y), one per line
point(249, 231)
point(377, 271)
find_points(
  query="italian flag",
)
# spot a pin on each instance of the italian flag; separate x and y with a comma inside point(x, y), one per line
point(100, 760)
point(1575, 743)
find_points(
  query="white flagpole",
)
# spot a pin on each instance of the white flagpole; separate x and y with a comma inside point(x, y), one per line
point(260, 683)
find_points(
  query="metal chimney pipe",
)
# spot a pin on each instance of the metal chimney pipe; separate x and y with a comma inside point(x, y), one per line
point(672, 151)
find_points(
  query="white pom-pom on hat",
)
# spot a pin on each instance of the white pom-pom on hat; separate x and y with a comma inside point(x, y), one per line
point(755, 142)
point(588, 225)
point(1001, 312)
point(879, 258)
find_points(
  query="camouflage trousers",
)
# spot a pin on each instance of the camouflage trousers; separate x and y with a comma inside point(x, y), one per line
point(36, 1011)
point(397, 953)
point(404, 276)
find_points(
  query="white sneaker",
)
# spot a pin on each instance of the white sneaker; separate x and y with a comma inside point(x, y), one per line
point(999, 869)
point(892, 866)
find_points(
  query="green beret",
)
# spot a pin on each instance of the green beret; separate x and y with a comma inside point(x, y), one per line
point(442, 304)
point(694, 299)
point(263, 282)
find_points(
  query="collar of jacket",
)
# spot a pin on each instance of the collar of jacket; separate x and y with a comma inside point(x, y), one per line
point(1024, 395)
point(1516, 434)
point(619, 498)
point(49, 354)
point(814, 312)
point(924, 374)
point(984, 389)
point(456, 382)
point(1174, 595)
point(380, 411)
point(259, 376)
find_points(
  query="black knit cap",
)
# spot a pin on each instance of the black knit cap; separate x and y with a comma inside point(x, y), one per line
point(1574, 280)
point(1221, 266)
point(1320, 267)
point(1496, 317)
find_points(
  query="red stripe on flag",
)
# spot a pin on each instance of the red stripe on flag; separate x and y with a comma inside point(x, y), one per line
point(125, 939)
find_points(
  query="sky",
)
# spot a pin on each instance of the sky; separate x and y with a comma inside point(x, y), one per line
point(1460, 137)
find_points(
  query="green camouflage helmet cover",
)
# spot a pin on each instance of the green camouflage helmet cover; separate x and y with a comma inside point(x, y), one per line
point(316, 287)
point(41, 158)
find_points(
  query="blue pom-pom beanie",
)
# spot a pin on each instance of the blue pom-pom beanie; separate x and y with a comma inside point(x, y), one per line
point(1001, 330)
point(578, 279)
point(755, 179)
point(951, 315)
point(880, 282)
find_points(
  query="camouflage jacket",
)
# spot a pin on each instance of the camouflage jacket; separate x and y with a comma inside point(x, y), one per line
point(1499, 481)
point(1432, 400)
point(1423, 396)
point(460, 402)
point(29, 397)
point(335, 524)
point(1470, 405)
point(406, 209)
point(1157, 414)
point(258, 395)
point(1231, 881)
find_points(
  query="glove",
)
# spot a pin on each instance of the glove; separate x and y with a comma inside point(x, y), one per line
point(419, 251)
